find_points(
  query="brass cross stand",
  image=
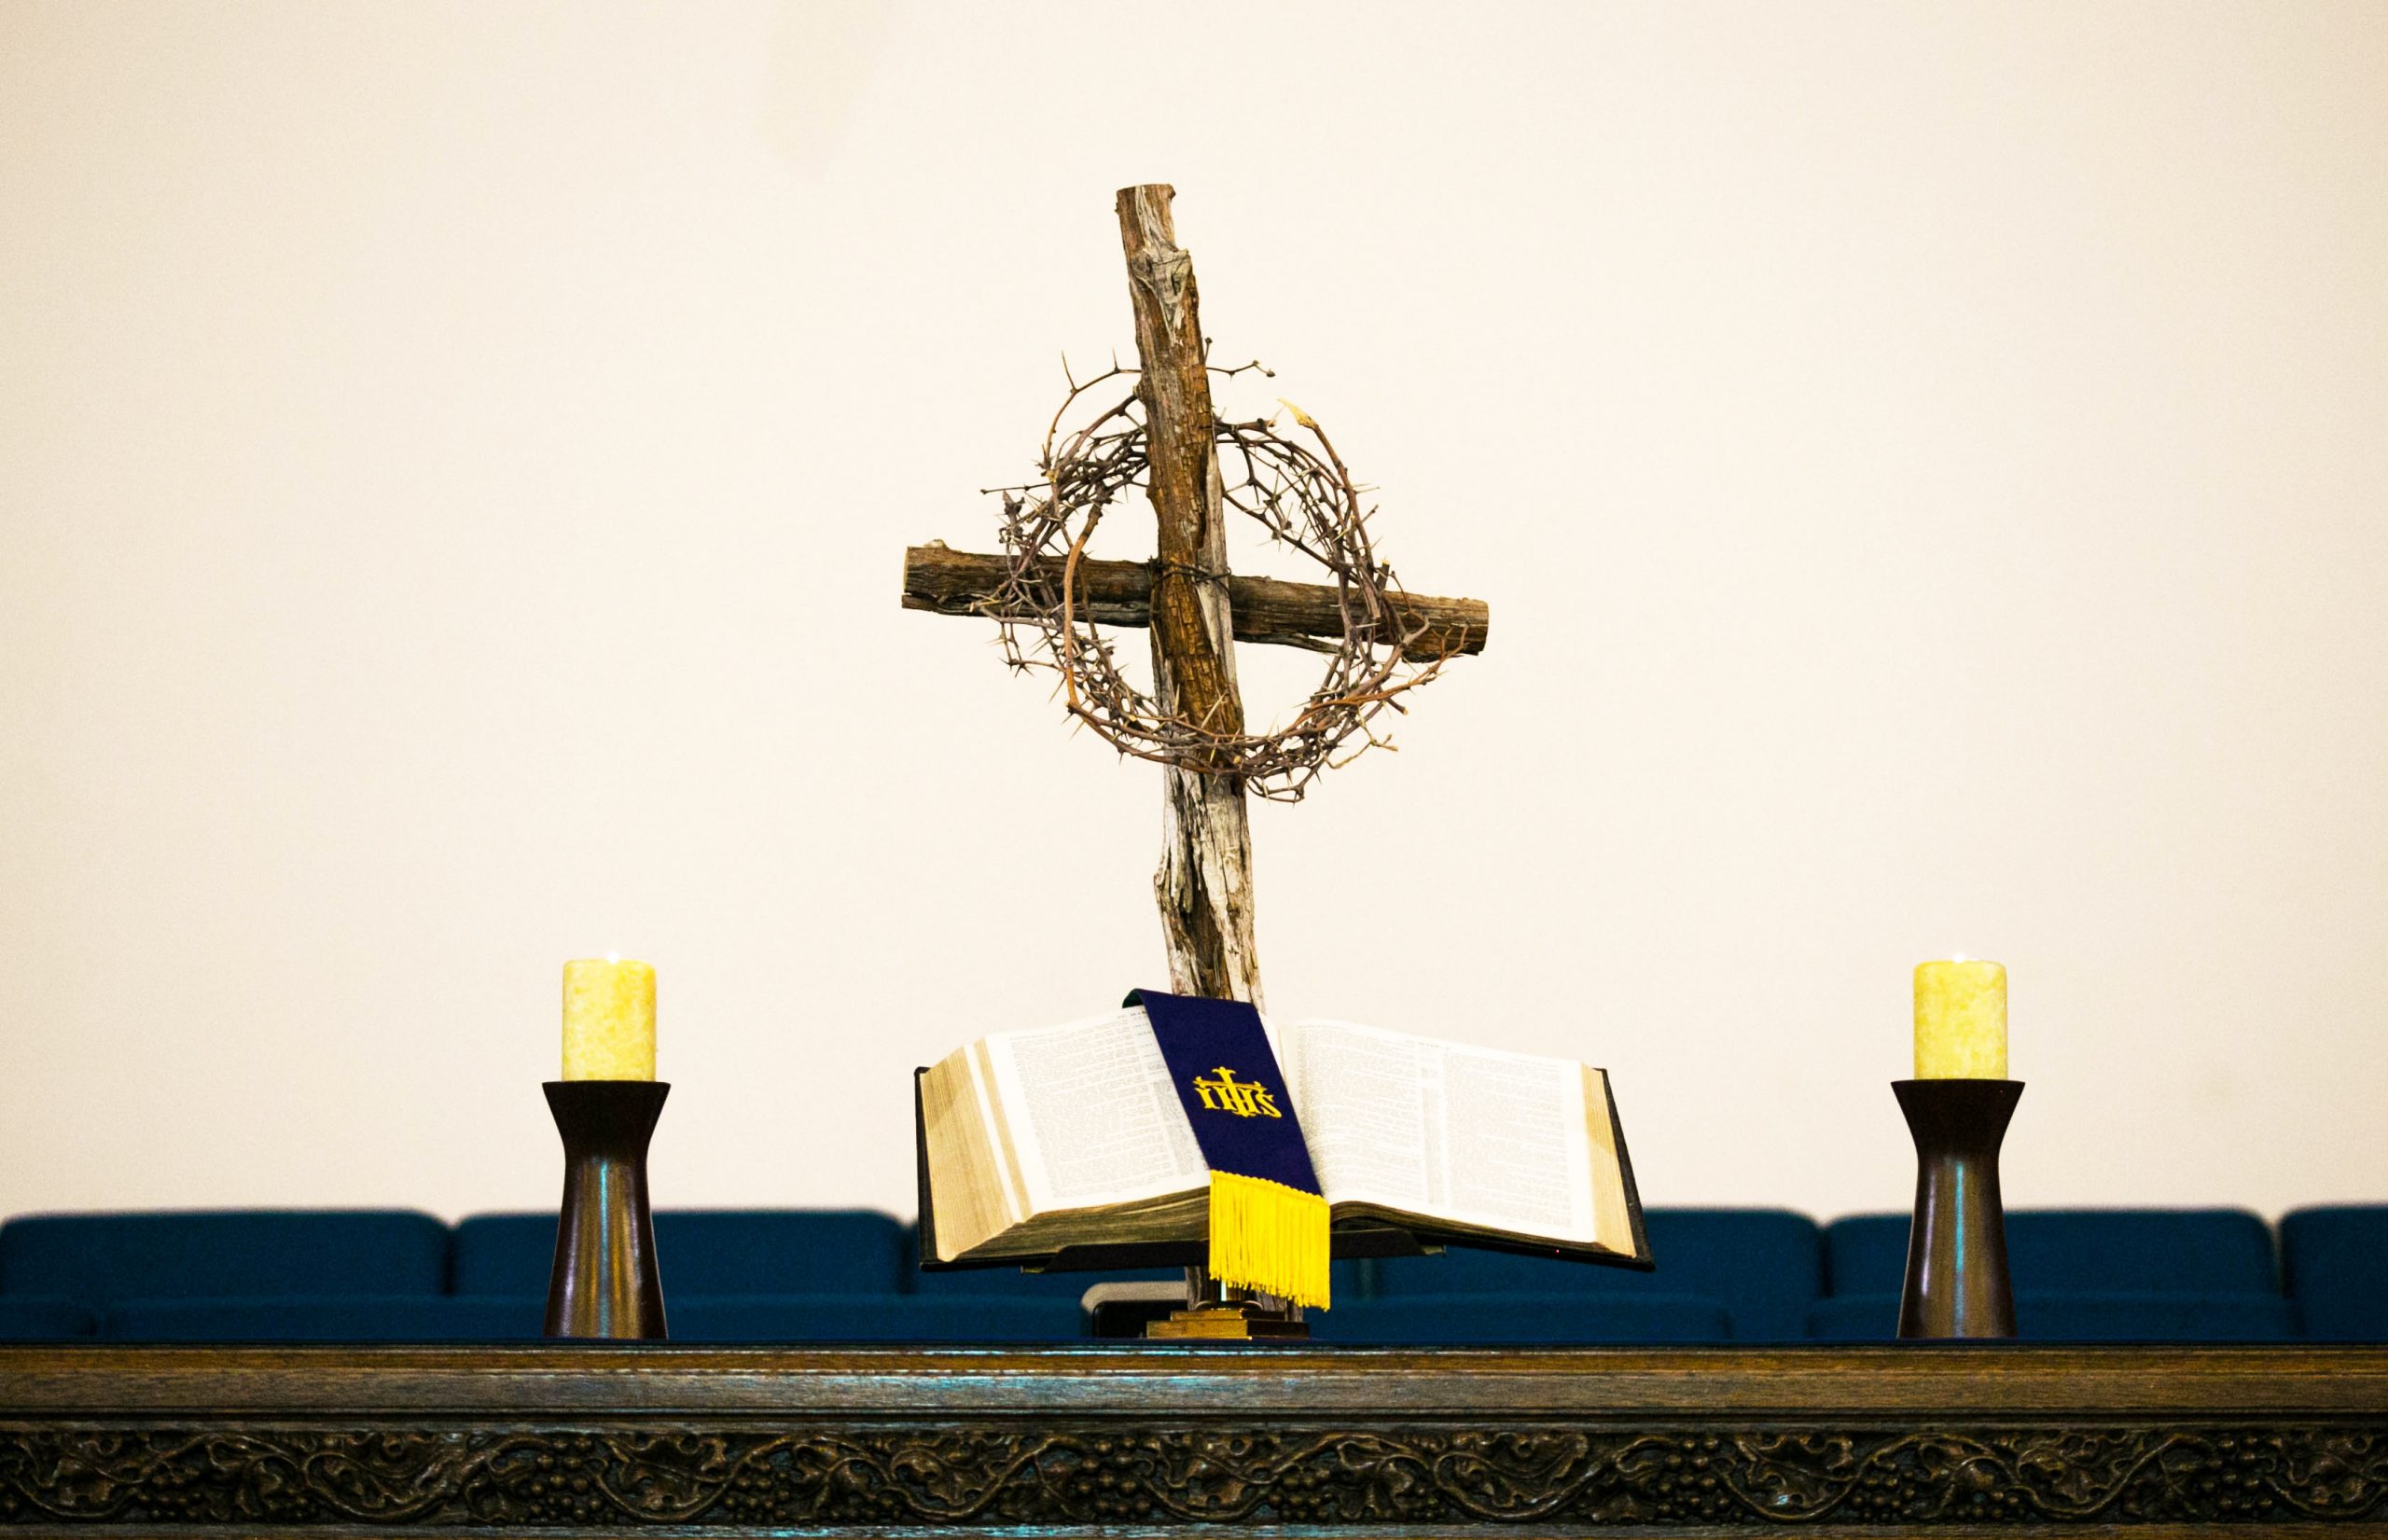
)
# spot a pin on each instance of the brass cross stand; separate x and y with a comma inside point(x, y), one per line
point(1189, 600)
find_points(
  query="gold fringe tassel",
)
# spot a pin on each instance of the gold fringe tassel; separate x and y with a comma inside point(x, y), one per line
point(1268, 1236)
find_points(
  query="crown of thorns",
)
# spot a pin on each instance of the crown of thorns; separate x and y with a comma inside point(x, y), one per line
point(1303, 496)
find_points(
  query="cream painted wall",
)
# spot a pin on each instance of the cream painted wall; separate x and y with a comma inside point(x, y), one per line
point(1926, 464)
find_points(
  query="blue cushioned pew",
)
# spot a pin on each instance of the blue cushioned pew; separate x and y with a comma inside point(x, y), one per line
point(2336, 1264)
point(2176, 1275)
point(707, 1252)
point(2067, 1316)
point(1744, 1274)
point(98, 1258)
point(328, 1318)
point(1751, 1275)
point(790, 1275)
point(1580, 1317)
point(32, 1319)
point(977, 1283)
point(221, 1274)
point(703, 1318)
point(875, 1318)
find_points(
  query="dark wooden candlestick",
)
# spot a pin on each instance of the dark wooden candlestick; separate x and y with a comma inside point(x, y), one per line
point(1956, 1248)
point(606, 1283)
point(1956, 1244)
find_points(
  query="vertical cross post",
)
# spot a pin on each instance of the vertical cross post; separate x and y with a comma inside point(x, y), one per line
point(1205, 884)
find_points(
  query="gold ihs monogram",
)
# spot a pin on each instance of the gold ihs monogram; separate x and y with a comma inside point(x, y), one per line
point(1245, 1099)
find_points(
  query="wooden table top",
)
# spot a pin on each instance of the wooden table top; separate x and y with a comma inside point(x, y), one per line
point(599, 1437)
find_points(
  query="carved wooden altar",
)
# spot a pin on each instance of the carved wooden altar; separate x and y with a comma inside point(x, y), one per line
point(605, 1438)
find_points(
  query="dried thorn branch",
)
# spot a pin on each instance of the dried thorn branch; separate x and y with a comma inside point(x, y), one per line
point(1303, 496)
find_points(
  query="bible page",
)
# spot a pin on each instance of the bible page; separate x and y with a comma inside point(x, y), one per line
point(1089, 1115)
point(1470, 1137)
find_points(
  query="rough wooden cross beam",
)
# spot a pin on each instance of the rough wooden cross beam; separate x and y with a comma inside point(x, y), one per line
point(1205, 885)
point(1263, 609)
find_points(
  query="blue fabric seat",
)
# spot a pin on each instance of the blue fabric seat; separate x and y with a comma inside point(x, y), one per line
point(2335, 1262)
point(1574, 1316)
point(2084, 1316)
point(32, 1319)
point(960, 1319)
point(469, 1318)
point(2098, 1251)
point(706, 1252)
point(1012, 1281)
point(98, 1258)
point(1763, 1267)
point(345, 1318)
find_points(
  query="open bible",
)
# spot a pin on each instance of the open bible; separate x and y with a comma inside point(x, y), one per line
point(1042, 1144)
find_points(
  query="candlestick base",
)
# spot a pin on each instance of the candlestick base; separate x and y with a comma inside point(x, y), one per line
point(606, 1283)
point(1956, 1249)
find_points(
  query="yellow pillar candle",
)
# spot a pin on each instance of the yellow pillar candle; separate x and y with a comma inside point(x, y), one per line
point(1960, 1021)
point(609, 1021)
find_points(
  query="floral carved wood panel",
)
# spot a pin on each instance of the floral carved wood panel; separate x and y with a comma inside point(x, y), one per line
point(1013, 1472)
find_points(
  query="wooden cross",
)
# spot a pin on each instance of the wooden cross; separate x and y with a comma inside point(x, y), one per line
point(1205, 884)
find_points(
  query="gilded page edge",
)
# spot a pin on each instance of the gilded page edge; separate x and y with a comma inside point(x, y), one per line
point(958, 1144)
point(1610, 1217)
point(1015, 1180)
